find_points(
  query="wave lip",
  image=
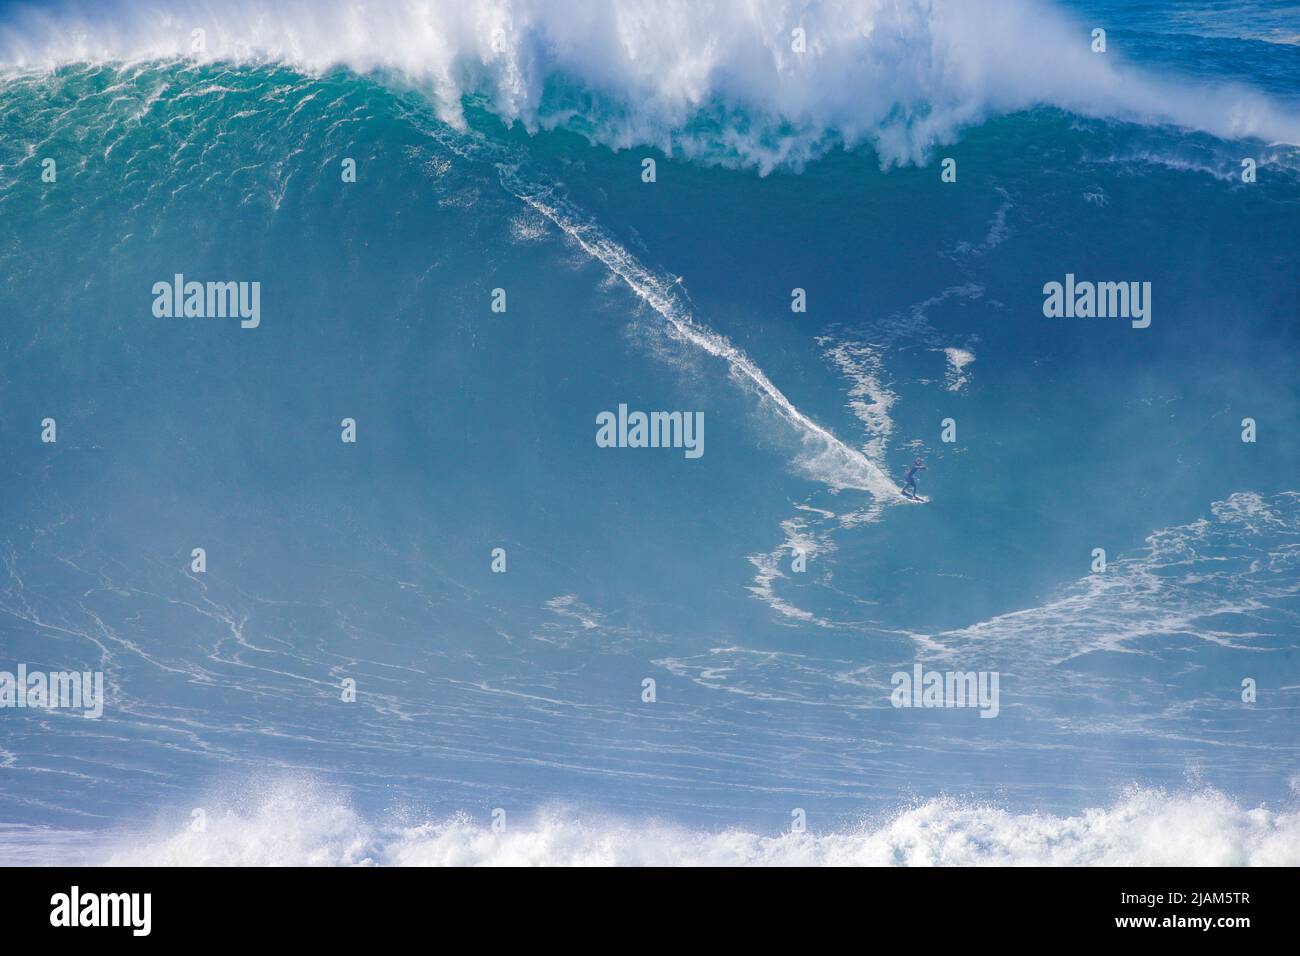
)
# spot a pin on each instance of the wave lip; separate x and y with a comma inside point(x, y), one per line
point(716, 80)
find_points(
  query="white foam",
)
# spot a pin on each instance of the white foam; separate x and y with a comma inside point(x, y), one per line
point(901, 75)
point(799, 538)
point(958, 359)
point(576, 622)
point(870, 399)
point(298, 824)
point(1187, 581)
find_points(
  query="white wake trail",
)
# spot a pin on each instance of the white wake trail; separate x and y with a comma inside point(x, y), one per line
point(825, 457)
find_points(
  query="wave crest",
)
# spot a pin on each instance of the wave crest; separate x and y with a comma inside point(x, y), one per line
point(713, 80)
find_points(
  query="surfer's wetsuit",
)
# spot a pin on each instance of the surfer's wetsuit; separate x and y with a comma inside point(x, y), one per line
point(910, 479)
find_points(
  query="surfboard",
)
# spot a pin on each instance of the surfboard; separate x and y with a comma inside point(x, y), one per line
point(916, 499)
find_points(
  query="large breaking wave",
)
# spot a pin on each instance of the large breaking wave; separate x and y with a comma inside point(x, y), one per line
point(712, 80)
point(159, 140)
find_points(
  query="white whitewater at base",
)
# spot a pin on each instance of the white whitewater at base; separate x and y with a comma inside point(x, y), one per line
point(300, 824)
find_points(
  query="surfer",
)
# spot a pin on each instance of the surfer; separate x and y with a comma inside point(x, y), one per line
point(909, 485)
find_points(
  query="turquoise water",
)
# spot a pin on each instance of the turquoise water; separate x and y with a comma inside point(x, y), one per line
point(520, 168)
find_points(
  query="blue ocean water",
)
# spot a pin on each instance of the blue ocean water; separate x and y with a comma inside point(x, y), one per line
point(500, 145)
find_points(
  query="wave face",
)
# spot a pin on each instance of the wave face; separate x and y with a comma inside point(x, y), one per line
point(770, 589)
point(725, 81)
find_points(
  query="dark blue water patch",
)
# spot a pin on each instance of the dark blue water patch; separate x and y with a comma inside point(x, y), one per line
point(1255, 43)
